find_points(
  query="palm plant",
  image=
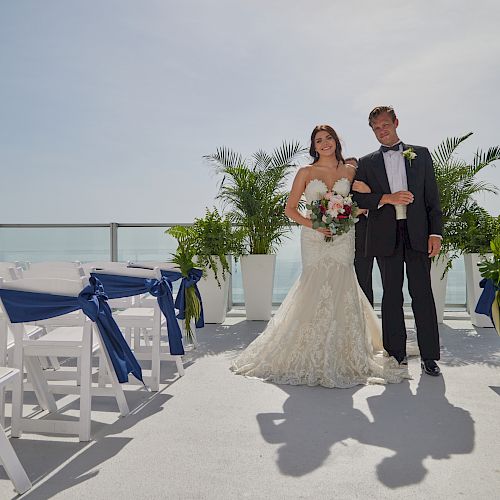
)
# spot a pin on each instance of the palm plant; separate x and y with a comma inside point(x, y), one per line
point(457, 183)
point(255, 192)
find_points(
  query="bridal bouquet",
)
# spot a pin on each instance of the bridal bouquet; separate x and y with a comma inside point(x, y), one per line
point(334, 209)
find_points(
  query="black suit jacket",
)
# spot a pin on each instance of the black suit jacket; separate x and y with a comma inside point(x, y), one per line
point(424, 216)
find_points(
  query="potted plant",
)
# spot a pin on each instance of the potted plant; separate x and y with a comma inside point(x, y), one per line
point(215, 240)
point(479, 229)
point(255, 192)
point(489, 303)
point(457, 184)
point(183, 258)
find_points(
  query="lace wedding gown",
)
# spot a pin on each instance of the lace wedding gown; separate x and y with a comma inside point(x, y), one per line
point(325, 331)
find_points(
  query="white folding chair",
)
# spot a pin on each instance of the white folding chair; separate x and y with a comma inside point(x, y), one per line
point(66, 341)
point(147, 300)
point(143, 327)
point(9, 270)
point(8, 457)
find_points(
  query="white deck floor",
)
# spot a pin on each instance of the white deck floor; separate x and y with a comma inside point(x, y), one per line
point(214, 435)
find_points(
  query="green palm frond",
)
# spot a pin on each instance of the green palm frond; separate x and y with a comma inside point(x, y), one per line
point(482, 159)
point(224, 158)
point(261, 159)
point(256, 194)
point(287, 154)
point(443, 153)
point(458, 186)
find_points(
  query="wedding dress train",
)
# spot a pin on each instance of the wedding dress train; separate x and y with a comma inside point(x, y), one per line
point(325, 331)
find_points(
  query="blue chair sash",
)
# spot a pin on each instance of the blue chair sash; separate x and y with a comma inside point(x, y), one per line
point(194, 275)
point(487, 298)
point(118, 286)
point(23, 306)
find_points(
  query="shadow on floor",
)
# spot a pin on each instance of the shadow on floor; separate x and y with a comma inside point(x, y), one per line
point(411, 427)
point(41, 457)
point(461, 346)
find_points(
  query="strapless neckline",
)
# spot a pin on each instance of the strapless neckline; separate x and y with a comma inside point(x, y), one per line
point(324, 183)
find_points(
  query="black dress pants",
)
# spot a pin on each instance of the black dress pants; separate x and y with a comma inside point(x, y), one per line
point(422, 301)
point(362, 264)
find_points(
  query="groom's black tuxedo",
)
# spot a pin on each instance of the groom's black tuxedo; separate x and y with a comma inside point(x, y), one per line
point(423, 215)
point(400, 243)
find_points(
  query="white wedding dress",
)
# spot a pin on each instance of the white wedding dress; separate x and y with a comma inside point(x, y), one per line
point(325, 331)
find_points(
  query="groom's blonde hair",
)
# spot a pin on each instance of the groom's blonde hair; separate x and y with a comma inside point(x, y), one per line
point(375, 112)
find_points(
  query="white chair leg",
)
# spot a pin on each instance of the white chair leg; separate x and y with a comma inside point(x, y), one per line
point(40, 386)
point(12, 465)
point(117, 388)
point(17, 393)
point(54, 361)
point(85, 382)
point(44, 363)
point(155, 350)
point(2, 406)
point(103, 374)
point(180, 365)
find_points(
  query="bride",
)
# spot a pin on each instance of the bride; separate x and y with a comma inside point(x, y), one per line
point(325, 331)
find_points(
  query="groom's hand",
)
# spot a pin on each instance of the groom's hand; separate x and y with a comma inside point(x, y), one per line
point(398, 198)
point(434, 245)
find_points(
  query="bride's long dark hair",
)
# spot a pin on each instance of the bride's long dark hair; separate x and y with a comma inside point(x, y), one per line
point(331, 131)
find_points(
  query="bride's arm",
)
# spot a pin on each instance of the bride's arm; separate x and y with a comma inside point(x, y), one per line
point(298, 187)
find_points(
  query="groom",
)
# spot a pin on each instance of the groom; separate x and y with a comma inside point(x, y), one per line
point(404, 227)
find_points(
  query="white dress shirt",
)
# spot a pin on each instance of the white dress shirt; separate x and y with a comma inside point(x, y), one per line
point(396, 175)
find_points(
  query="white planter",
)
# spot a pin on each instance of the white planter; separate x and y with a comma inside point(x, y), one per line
point(214, 297)
point(472, 279)
point(438, 266)
point(258, 281)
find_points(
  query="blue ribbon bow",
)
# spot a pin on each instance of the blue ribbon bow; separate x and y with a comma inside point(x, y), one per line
point(485, 302)
point(194, 275)
point(118, 286)
point(22, 306)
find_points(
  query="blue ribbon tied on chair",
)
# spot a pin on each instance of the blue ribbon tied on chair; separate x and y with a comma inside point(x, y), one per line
point(162, 290)
point(118, 286)
point(487, 302)
point(194, 275)
point(94, 304)
point(23, 306)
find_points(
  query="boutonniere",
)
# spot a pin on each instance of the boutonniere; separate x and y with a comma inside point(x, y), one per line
point(409, 154)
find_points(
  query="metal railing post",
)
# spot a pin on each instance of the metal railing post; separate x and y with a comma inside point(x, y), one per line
point(113, 234)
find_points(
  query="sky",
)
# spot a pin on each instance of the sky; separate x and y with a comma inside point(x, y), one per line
point(107, 107)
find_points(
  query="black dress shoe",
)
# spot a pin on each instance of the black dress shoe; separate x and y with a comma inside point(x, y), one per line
point(430, 367)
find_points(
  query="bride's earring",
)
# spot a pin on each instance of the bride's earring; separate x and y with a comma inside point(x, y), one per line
point(316, 154)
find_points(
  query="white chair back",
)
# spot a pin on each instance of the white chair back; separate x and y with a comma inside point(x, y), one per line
point(164, 266)
point(54, 286)
point(71, 273)
point(9, 271)
point(130, 271)
point(104, 264)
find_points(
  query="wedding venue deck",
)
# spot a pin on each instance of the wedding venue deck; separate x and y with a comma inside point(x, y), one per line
point(214, 435)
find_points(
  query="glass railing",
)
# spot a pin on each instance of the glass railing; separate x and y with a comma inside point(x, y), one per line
point(136, 242)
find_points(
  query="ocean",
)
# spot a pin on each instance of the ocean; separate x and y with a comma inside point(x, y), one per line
point(88, 244)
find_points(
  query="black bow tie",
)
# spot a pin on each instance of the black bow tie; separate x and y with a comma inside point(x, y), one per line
point(384, 149)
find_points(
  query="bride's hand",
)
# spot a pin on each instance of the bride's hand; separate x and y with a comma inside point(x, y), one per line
point(361, 187)
point(325, 231)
